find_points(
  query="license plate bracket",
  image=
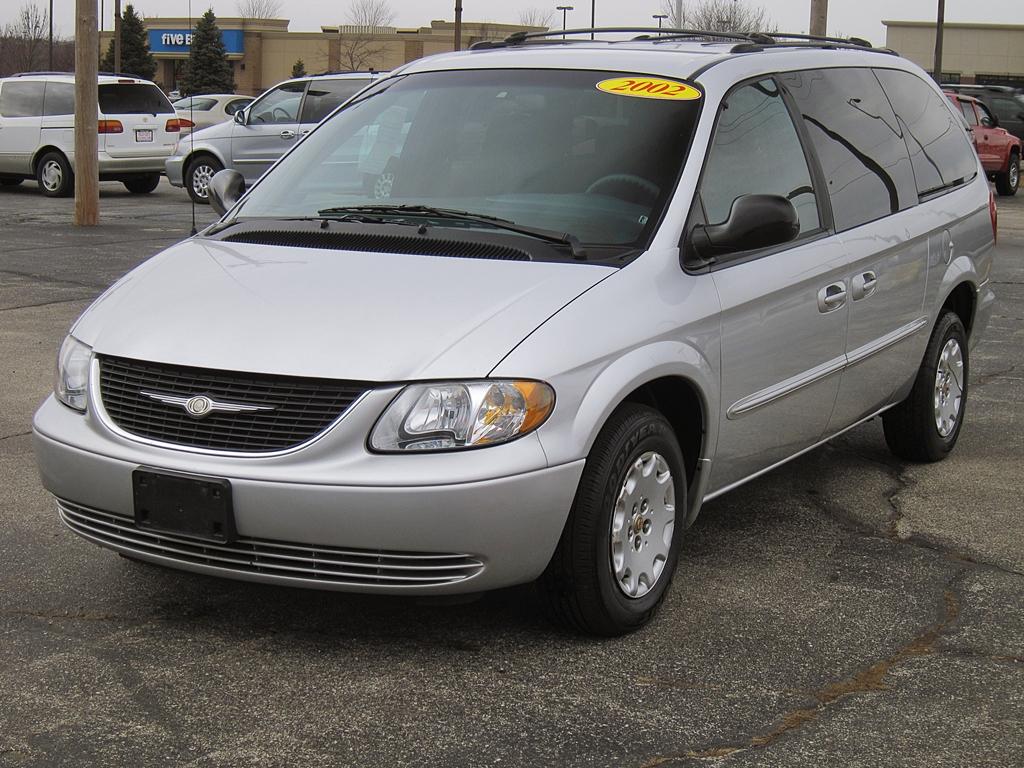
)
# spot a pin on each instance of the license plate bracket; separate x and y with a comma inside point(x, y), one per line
point(143, 135)
point(188, 505)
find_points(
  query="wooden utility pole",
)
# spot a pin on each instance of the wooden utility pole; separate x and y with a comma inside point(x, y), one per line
point(458, 25)
point(87, 172)
point(117, 35)
point(819, 17)
point(940, 24)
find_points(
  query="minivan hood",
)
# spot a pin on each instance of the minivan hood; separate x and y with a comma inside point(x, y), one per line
point(327, 313)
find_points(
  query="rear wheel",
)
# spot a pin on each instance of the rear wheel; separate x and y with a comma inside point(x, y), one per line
point(1008, 182)
point(55, 176)
point(197, 177)
point(142, 185)
point(926, 425)
point(618, 551)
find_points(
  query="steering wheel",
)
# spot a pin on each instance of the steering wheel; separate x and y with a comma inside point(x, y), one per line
point(649, 189)
point(285, 117)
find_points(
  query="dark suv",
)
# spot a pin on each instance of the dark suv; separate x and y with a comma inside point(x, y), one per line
point(1003, 101)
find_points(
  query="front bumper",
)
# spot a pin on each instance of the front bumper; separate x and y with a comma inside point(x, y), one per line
point(174, 167)
point(484, 533)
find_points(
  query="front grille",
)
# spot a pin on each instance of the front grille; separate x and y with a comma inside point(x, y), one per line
point(283, 560)
point(301, 407)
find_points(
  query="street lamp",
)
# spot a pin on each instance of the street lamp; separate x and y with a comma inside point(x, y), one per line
point(660, 17)
point(564, 9)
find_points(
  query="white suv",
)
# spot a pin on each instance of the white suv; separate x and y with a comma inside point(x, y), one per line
point(137, 124)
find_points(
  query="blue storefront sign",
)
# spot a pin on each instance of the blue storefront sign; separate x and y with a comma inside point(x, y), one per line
point(180, 40)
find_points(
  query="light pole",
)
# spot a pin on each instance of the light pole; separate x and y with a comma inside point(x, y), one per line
point(940, 28)
point(593, 17)
point(564, 9)
point(660, 17)
point(51, 35)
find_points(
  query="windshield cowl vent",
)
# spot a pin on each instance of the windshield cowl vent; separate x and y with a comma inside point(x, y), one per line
point(420, 245)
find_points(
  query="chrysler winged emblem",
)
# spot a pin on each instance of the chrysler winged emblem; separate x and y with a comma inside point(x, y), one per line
point(199, 406)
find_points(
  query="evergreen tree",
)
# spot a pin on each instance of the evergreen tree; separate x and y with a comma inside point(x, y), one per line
point(208, 69)
point(298, 69)
point(135, 56)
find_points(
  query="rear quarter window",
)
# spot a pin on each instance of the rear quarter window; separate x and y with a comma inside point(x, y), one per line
point(858, 141)
point(133, 99)
point(939, 149)
point(21, 99)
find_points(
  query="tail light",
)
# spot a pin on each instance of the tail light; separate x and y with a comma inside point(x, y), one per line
point(177, 123)
point(994, 213)
point(111, 126)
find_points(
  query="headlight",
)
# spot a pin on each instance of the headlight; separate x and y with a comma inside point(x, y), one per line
point(440, 417)
point(72, 385)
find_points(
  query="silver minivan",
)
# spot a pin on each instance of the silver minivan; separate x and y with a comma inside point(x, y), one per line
point(261, 132)
point(514, 314)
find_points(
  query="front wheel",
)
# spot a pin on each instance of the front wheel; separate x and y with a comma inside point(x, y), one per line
point(1008, 182)
point(618, 551)
point(142, 185)
point(926, 425)
point(198, 175)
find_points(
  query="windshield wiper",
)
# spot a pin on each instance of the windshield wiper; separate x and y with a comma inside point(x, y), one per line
point(548, 235)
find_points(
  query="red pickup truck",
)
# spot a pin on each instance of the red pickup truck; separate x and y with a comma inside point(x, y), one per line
point(999, 150)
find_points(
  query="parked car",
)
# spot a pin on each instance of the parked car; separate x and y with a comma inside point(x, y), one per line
point(608, 284)
point(198, 112)
point(137, 127)
point(261, 132)
point(1003, 101)
point(999, 150)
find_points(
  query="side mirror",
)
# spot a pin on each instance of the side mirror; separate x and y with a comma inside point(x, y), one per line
point(240, 117)
point(755, 221)
point(225, 189)
point(989, 122)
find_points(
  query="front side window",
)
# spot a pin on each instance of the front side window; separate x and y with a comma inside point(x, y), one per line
point(542, 148)
point(756, 150)
point(21, 99)
point(324, 95)
point(237, 104)
point(281, 105)
point(133, 99)
point(939, 149)
point(59, 99)
point(858, 142)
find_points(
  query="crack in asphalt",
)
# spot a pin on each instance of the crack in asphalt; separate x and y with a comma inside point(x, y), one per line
point(52, 280)
point(44, 304)
point(988, 378)
point(16, 434)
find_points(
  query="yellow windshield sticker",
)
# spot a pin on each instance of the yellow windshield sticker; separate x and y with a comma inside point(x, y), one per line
point(649, 88)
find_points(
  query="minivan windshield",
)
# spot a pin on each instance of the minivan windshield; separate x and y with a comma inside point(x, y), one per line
point(546, 149)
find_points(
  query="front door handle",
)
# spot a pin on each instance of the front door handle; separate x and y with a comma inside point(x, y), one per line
point(864, 285)
point(831, 297)
point(287, 135)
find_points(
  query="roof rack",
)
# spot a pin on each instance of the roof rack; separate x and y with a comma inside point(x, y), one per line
point(795, 40)
point(71, 74)
point(644, 33)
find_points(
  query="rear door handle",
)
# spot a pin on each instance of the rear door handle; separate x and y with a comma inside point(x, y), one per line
point(831, 297)
point(864, 285)
point(287, 135)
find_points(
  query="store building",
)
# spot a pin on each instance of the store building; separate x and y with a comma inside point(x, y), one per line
point(263, 51)
point(992, 54)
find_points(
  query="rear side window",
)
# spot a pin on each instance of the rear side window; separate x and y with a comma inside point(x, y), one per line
point(59, 99)
point(323, 96)
point(132, 99)
point(858, 141)
point(756, 150)
point(939, 150)
point(969, 114)
point(21, 99)
point(1007, 108)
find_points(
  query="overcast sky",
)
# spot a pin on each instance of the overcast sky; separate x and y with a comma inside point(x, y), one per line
point(850, 17)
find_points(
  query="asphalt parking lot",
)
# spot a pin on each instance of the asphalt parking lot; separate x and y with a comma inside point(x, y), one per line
point(846, 610)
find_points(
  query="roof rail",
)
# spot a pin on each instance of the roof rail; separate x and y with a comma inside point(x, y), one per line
point(795, 40)
point(651, 33)
point(71, 74)
point(37, 74)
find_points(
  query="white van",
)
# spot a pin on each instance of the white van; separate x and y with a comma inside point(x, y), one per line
point(137, 124)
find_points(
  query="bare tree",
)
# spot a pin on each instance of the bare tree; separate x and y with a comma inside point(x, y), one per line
point(536, 17)
point(258, 9)
point(359, 49)
point(25, 39)
point(719, 16)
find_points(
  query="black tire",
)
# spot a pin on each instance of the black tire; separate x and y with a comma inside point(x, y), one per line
point(911, 431)
point(1008, 181)
point(142, 185)
point(10, 182)
point(203, 166)
point(579, 588)
point(54, 174)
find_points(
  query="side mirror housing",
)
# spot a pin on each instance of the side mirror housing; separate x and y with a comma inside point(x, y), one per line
point(240, 117)
point(989, 122)
point(225, 189)
point(755, 221)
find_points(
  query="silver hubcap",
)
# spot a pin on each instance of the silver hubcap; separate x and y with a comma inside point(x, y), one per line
point(642, 524)
point(949, 388)
point(201, 179)
point(1014, 174)
point(52, 175)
